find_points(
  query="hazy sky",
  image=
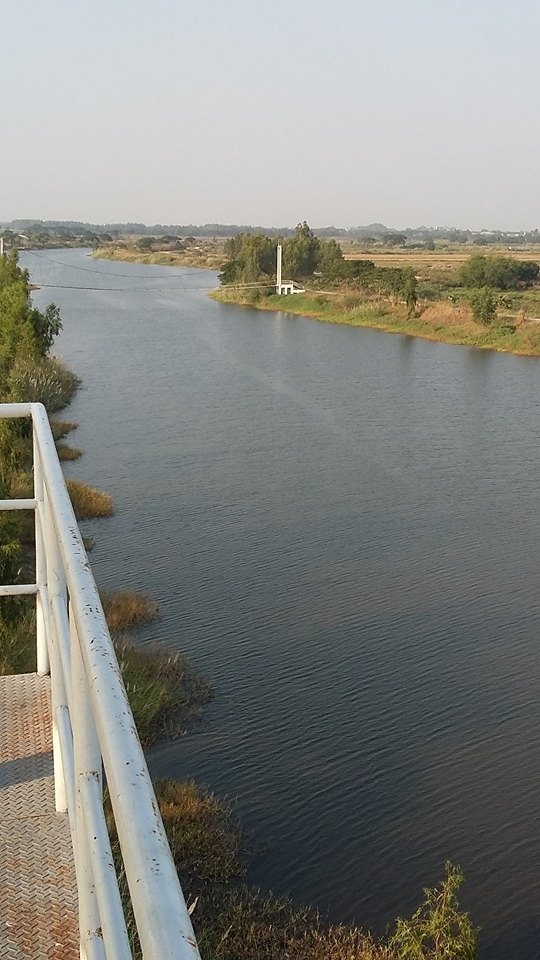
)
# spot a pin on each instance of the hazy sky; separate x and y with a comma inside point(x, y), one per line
point(407, 112)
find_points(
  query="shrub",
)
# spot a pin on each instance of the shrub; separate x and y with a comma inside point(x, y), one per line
point(438, 930)
point(484, 307)
point(502, 273)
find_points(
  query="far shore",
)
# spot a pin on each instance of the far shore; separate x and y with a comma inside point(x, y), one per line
point(202, 258)
point(438, 321)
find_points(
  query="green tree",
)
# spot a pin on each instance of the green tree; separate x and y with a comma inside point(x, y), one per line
point(251, 257)
point(501, 273)
point(410, 291)
point(47, 326)
point(484, 306)
point(330, 260)
point(301, 253)
point(439, 930)
point(145, 243)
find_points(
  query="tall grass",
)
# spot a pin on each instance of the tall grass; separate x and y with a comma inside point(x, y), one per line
point(45, 381)
point(61, 428)
point(125, 609)
point(246, 924)
point(203, 833)
point(65, 452)
point(18, 641)
point(165, 693)
point(88, 502)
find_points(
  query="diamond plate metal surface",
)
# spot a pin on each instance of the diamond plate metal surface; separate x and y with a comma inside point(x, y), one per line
point(38, 894)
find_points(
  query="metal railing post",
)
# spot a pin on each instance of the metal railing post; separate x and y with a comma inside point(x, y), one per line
point(43, 665)
point(56, 584)
point(87, 757)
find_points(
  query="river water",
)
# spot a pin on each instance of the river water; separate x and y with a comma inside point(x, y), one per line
point(341, 528)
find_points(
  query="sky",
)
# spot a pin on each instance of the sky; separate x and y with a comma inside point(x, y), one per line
point(405, 112)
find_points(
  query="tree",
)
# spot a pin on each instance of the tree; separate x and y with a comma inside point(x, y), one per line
point(252, 257)
point(484, 306)
point(410, 292)
point(395, 239)
point(145, 243)
point(330, 260)
point(438, 930)
point(501, 273)
point(301, 252)
point(46, 326)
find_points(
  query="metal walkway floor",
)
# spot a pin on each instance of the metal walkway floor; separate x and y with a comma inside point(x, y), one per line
point(38, 894)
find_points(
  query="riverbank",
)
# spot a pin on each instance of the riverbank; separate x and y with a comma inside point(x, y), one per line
point(440, 321)
point(206, 255)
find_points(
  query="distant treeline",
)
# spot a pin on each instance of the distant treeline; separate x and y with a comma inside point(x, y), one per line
point(76, 230)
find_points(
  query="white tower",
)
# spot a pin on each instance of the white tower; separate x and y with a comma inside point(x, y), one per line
point(278, 268)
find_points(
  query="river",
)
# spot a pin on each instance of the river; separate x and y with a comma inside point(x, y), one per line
point(342, 531)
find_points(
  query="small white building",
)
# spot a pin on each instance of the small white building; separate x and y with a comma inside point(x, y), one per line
point(289, 286)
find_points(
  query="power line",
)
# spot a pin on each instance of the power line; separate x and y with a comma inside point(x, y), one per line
point(68, 286)
point(226, 286)
point(101, 273)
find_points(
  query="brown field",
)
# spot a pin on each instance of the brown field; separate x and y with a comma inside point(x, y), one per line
point(433, 259)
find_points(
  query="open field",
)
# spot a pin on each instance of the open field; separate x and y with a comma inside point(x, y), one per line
point(438, 259)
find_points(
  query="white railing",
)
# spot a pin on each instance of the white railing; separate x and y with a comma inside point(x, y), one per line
point(93, 728)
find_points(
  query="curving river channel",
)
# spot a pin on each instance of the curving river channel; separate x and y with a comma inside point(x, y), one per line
point(342, 530)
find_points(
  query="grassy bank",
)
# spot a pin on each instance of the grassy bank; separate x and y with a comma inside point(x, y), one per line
point(207, 255)
point(440, 320)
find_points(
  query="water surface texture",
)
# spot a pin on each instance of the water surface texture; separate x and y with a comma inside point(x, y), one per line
point(342, 530)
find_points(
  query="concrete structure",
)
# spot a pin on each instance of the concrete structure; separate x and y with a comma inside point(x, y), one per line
point(289, 286)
